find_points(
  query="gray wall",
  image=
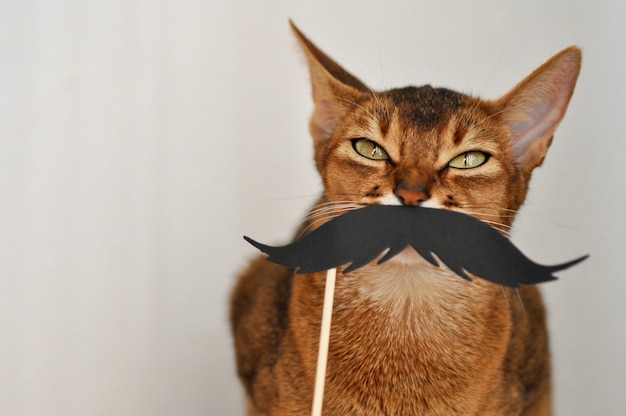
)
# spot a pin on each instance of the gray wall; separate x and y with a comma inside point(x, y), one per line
point(139, 140)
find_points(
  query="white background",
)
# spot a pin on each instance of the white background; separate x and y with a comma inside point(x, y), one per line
point(139, 140)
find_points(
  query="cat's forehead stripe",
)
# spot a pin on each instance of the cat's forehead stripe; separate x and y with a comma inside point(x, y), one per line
point(426, 107)
point(384, 120)
point(459, 134)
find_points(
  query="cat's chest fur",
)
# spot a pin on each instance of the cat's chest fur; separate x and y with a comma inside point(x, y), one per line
point(406, 332)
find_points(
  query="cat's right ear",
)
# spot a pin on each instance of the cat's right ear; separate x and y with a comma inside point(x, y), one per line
point(335, 90)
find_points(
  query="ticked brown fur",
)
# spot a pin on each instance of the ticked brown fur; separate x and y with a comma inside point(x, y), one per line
point(408, 338)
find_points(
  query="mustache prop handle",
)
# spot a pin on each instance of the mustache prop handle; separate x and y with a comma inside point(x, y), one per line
point(322, 356)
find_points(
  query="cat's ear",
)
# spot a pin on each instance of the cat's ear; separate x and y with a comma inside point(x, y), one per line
point(335, 90)
point(535, 107)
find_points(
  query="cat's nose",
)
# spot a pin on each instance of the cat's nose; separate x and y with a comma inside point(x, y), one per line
point(412, 196)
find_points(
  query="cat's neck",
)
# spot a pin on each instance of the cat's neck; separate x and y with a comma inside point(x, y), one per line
point(411, 289)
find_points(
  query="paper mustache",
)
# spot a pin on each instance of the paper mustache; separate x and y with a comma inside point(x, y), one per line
point(464, 243)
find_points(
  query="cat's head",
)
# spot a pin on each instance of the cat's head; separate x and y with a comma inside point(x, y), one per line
point(432, 146)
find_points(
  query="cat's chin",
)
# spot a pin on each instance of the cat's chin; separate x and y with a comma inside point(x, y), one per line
point(406, 279)
point(407, 257)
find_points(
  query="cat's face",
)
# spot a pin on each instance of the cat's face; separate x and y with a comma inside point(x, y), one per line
point(431, 146)
point(422, 146)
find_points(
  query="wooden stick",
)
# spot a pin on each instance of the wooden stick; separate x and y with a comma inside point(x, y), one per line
point(322, 357)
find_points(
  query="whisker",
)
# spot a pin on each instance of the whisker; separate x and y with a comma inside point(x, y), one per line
point(312, 223)
point(489, 206)
point(375, 97)
point(331, 204)
point(326, 211)
point(491, 115)
point(506, 233)
point(505, 296)
point(330, 209)
point(490, 222)
point(334, 195)
point(356, 104)
point(521, 302)
point(337, 202)
point(486, 214)
point(509, 210)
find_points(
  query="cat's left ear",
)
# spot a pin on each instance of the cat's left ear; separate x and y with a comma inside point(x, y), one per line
point(535, 107)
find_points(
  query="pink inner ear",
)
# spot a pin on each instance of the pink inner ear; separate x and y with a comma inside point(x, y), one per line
point(324, 119)
point(533, 135)
point(535, 107)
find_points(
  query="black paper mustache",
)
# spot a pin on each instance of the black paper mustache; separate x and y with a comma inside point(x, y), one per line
point(464, 243)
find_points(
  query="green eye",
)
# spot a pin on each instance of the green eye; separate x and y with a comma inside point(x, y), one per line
point(369, 149)
point(468, 160)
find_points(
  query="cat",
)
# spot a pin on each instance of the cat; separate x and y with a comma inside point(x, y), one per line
point(408, 338)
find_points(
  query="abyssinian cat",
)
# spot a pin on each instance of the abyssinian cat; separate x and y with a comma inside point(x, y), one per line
point(408, 338)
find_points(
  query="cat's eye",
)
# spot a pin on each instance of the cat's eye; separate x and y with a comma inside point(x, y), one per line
point(369, 149)
point(468, 160)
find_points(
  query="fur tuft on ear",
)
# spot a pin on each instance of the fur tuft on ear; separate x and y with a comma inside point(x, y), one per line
point(335, 90)
point(536, 106)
